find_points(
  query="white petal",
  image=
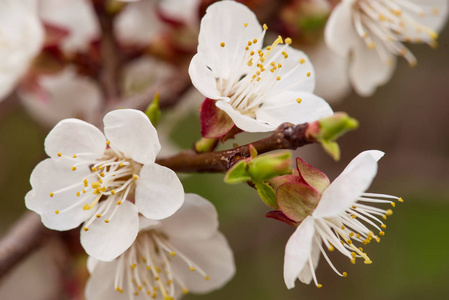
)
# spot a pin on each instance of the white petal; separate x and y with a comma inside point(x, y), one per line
point(91, 264)
point(131, 132)
point(184, 11)
point(198, 213)
point(73, 136)
point(244, 122)
point(76, 16)
point(298, 251)
point(213, 255)
point(225, 61)
point(67, 94)
point(367, 71)
point(306, 274)
point(202, 77)
point(350, 184)
point(340, 34)
point(49, 176)
point(293, 74)
point(285, 108)
point(22, 36)
point(159, 193)
point(100, 285)
point(436, 22)
point(105, 241)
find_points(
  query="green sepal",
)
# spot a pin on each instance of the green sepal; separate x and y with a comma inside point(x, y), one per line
point(332, 149)
point(267, 166)
point(238, 173)
point(266, 193)
point(153, 112)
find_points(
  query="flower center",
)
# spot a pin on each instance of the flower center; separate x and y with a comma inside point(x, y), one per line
point(351, 226)
point(385, 24)
point(111, 180)
point(146, 267)
point(257, 72)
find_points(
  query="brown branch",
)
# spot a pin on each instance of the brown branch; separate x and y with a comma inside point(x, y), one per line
point(286, 136)
point(26, 235)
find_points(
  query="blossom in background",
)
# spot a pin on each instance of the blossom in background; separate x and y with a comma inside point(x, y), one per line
point(62, 95)
point(171, 257)
point(258, 88)
point(104, 183)
point(21, 38)
point(371, 34)
point(335, 214)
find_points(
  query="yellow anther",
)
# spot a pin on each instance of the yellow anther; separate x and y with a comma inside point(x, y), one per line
point(393, 204)
point(222, 44)
point(139, 288)
point(102, 174)
point(265, 27)
point(389, 212)
point(57, 212)
point(108, 143)
point(74, 156)
point(382, 17)
point(94, 169)
point(101, 181)
point(85, 182)
point(353, 216)
point(371, 45)
point(251, 53)
point(119, 202)
point(192, 269)
point(133, 266)
point(250, 43)
point(95, 185)
point(73, 168)
point(368, 262)
point(345, 274)
point(354, 207)
point(98, 215)
point(245, 24)
point(279, 65)
point(121, 165)
point(59, 154)
point(86, 229)
point(112, 192)
point(353, 261)
point(343, 227)
point(100, 167)
point(185, 291)
point(384, 217)
point(106, 221)
point(136, 293)
point(353, 254)
point(148, 268)
point(172, 253)
point(302, 60)
point(255, 41)
point(401, 200)
point(52, 194)
point(258, 78)
point(308, 74)
point(278, 78)
point(435, 11)
point(206, 277)
point(288, 41)
point(351, 234)
point(382, 233)
point(135, 177)
point(331, 248)
point(357, 235)
point(319, 285)
point(299, 100)
point(78, 194)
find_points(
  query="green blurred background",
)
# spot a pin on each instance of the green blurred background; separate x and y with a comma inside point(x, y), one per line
point(407, 118)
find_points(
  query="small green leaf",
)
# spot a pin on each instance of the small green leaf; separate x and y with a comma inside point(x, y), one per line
point(266, 192)
point(332, 149)
point(265, 167)
point(153, 112)
point(237, 173)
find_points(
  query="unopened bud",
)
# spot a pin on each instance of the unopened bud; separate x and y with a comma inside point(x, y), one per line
point(265, 167)
point(153, 112)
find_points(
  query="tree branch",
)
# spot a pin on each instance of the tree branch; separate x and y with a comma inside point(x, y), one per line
point(286, 136)
point(26, 235)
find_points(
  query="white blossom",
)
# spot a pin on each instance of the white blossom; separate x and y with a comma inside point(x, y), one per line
point(371, 34)
point(103, 181)
point(183, 253)
point(258, 88)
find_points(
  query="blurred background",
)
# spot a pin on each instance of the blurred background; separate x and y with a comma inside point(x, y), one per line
point(407, 118)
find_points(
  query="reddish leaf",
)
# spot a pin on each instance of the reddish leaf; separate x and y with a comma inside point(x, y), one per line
point(279, 215)
point(215, 123)
point(297, 200)
point(312, 176)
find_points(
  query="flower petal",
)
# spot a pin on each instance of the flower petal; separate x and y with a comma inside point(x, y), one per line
point(297, 73)
point(298, 251)
point(244, 122)
point(131, 132)
point(213, 255)
point(367, 71)
point(105, 241)
point(306, 275)
point(73, 136)
point(198, 213)
point(350, 184)
point(340, 34)
point(49, 176)
point(101, 283)
point(226, 61)
point(159, 193)
point(284, 107)
point(91, 264)
point(203, 78)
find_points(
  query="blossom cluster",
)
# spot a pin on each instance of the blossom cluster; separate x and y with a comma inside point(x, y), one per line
point(144, 236)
